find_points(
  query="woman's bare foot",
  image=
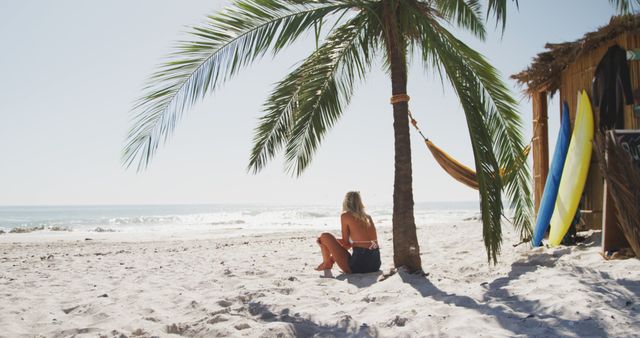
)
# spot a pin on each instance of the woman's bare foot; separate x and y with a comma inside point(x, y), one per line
point(325, 266)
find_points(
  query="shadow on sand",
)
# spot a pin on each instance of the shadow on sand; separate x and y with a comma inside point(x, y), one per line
point(524, 316)
point(515, 313)
point(361, 280)
point(304, 327)
point(299, 326)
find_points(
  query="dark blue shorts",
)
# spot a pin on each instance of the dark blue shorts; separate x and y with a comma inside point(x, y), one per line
point(364, 260)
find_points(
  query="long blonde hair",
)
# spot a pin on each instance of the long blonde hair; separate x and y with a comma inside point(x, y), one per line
point(353, 205)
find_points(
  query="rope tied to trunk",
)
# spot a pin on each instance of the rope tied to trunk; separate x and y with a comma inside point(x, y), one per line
point(397, 98)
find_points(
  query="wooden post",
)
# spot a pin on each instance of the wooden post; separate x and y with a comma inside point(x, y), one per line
point(540, 145)
point(613, 238)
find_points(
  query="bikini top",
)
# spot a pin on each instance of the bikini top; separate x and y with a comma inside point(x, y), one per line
point(373, 246)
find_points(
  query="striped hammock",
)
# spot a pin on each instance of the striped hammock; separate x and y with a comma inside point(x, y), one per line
point(457, 170)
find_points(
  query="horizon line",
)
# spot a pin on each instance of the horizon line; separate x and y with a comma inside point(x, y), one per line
point(211, 204)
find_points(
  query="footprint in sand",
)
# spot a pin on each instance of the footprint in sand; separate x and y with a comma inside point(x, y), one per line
point(397, 321)
point(69, 310)
point(285, 291)
point(224, 303)
point(369, 299)
point(242, 326)
point(177, 328)
point(218, 319)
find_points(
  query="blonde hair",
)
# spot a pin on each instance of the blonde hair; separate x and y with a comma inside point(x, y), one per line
point(353, 205)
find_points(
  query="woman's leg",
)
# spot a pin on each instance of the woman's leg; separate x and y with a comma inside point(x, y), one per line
point(336, 253)
point(327, 261)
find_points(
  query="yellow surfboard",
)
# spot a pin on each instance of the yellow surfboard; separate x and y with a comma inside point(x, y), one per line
point(574, 174)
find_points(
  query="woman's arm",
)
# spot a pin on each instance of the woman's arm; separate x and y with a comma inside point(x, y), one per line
point(375, 233)
point(344, 241)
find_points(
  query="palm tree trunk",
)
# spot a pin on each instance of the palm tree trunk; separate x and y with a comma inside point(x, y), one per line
point(406, 251)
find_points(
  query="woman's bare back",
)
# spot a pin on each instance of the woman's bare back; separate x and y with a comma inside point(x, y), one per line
point(359, 233)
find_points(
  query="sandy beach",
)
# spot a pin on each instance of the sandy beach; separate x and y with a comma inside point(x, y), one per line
point(168, 166)
point(264, 285)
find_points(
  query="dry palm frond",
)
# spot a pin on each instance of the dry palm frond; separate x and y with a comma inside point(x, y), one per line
point(544, 74)
point(623, 182)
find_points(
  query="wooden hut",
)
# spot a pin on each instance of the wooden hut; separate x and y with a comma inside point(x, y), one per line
point(567, 68)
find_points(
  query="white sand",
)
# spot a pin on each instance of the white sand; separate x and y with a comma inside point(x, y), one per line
point(265, 286)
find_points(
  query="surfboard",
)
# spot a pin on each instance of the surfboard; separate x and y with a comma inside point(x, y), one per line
point(550, 192)
point(574, 173)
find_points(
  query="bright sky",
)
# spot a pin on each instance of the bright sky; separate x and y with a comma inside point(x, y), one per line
point(70, 70)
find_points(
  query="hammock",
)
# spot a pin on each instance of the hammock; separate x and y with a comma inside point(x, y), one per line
point(457, 170)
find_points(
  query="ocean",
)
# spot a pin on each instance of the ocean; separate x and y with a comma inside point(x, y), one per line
point(249, 218)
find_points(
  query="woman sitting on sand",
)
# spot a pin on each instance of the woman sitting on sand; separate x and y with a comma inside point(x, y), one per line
point(359, 233)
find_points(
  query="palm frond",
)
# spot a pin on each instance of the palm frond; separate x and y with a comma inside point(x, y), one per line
point(622, 176)
point(498, 110)
point(505, 127)
point(466, 14)
point(625, 6)
point(438, 50)
point(506, 130)
point(227, 42)
point(275, 126)
point(311, 99)
point(499, 10)
point(487, 168)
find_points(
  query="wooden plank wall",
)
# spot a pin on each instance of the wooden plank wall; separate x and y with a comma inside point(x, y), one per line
point(631, 121)
point(579, 76)
point(540, 145)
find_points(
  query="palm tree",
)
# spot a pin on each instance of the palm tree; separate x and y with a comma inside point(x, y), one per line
point(309, 100)
point(625, 6)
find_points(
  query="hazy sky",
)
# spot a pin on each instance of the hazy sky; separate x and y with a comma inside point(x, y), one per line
point(70, 70)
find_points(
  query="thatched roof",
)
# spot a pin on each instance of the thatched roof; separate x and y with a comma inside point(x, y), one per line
point(544, 73)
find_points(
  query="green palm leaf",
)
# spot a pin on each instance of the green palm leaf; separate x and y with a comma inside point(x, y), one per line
point(310, 99)
point(487, 168)
point(227, 42)
point(327, 90)
point(505, 127)
point(489, 182)
point(625, 6)
point(466, 14)
point(483, 96)
point(499, 10)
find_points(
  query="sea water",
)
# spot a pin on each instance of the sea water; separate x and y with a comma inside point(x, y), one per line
point(245, 218)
